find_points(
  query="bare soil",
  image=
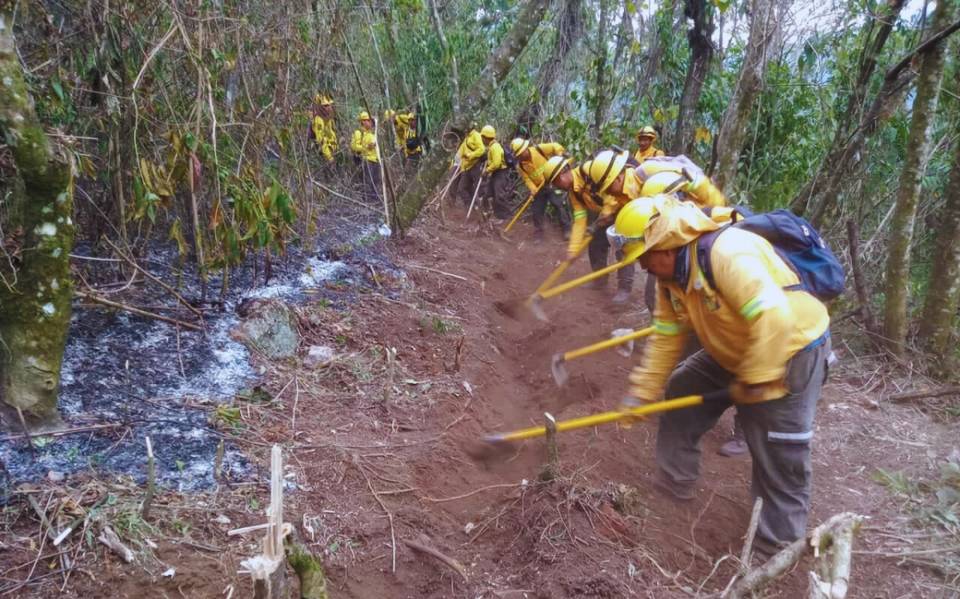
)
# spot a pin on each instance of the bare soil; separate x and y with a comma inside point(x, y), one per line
point(366, 437)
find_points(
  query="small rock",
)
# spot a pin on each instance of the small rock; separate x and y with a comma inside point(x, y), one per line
point(469, 527)
point(318, 355)
point(169, 572)
point(55, 477)
point(221, 519)
point(269, 327)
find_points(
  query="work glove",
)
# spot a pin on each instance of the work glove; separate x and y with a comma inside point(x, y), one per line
point(741, 392)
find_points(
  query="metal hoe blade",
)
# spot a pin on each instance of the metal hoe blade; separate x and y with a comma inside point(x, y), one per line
point(534, 304)
point(559, 369)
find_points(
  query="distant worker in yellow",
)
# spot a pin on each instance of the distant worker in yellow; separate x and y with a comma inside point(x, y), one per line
point(409, 143)
point(496, 174)
point(532, 166)
point(647, 140)
point(469, 158)
point(322, 128)
point(364, 148)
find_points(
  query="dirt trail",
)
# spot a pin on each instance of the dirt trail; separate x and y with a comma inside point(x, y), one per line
point(366, 435)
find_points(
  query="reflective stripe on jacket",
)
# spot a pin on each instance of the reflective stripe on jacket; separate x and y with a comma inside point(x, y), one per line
point(749, 323)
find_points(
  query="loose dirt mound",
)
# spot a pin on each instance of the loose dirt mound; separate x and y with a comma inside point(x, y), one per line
point(375, 445)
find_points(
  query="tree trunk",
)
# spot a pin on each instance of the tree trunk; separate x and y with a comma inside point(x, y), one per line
point(450, 56)
point(943, 295)
point(600, 64)
point(908, 194)
point(569, 27)
point(701, 51)
point(764, 28)
point(436, 163)
point(810, 195)
point(36, 312)
point(845, 162)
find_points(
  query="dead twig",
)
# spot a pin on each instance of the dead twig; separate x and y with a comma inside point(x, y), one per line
point(924, 394)
point(102, 300)
point(471, 493)
point(448, 561)
point(393, 534)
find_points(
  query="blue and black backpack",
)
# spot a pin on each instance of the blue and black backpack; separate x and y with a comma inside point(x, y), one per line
point(795, 241)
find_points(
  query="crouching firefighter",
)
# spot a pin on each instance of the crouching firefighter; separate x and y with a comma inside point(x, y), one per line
point(765, 338)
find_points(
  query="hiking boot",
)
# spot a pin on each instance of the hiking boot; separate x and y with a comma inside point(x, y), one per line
point(733, 447)
point(621, 297)
point(566, 235)
point(678, 491)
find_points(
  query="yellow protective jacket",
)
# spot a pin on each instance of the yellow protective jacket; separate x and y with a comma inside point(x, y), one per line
point(325, 136)
point(495, 159)
point(700, 188)
point(364, 145)
point(471, 150)
point(749, 323)
point(531, 170)
point(651, 152)
point(582, 205)
point(402, 126)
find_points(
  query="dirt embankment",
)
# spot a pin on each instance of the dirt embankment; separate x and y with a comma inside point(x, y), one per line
point(375, 453)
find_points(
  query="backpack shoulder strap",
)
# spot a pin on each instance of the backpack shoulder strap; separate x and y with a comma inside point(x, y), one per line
point(704, 245)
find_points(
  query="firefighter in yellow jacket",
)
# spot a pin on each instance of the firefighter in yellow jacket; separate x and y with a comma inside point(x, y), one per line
point(364, 148)
point(764, 340)
point(616, 179)
point(496, 174)
point(322, 126)
point(469, 159)
point(646, 141)
point(532, 166)
point(405, 133)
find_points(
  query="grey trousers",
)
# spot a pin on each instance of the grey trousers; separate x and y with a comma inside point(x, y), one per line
point(778, 433)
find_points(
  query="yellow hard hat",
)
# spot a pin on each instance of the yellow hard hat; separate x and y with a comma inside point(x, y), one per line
point(603, 169)
point(364, 116)
point(553, 167)
point(518, 145)
point(663, 182)
point(488, 131)
point(647, 131)
point(628, 230)
point(389, 114)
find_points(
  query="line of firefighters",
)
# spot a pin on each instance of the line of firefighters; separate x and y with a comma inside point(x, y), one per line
point(747, 327)
point(744, 325)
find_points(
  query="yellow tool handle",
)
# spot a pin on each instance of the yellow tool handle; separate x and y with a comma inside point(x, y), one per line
point(550, 280)
point(606, 343)
point(627, 260)
point(518, 214)
point(602, 418)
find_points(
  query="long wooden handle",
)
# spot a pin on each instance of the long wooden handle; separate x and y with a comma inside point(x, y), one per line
point(602, 418)
point(559, 270)
point(518, 214)
point(606, 343)
point(553, 291)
